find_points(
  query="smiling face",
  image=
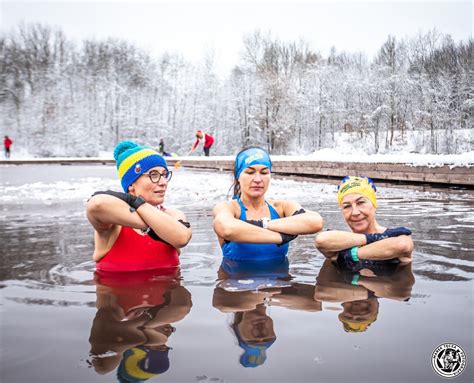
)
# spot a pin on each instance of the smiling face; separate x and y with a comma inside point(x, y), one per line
point(254, 181)
point(359, 213)
point(153, 193)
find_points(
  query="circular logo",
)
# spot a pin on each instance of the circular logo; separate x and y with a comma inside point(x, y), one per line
point(138, 168)
point(448, 360)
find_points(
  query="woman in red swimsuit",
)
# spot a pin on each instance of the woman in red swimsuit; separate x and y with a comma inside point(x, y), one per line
point(133, 231)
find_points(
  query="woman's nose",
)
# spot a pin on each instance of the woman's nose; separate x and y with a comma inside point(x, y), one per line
point(355, 210)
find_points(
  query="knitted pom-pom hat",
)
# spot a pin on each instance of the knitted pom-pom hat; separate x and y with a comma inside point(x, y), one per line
point(133, 160)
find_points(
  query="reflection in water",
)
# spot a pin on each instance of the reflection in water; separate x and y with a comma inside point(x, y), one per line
point(360, 292)
point(46, 271)
point(133, 322)
point(247, 288)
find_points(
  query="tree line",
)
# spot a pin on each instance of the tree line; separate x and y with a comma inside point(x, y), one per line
point(62, 98)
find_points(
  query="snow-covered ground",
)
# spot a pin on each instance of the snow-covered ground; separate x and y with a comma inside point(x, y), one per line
point(331, 155)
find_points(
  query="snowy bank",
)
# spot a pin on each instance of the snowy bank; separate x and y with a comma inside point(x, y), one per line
point(325, 155)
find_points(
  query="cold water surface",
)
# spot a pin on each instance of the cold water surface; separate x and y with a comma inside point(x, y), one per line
point(59, 324)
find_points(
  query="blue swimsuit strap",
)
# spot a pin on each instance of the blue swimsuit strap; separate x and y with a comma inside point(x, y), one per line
point(243, 215)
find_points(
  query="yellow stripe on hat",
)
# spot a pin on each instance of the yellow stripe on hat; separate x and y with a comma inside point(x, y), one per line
point(128, 162)
point(133, 369)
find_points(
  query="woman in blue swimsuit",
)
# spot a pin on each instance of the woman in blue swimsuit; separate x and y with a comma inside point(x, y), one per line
point(251, 228)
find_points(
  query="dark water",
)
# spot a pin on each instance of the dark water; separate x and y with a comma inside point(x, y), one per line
point(58, 324)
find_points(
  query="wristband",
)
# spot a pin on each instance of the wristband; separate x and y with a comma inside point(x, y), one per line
point(139, 201)
point(355, 279)
point(265, 221)
point(354, 255)
point(187, 224)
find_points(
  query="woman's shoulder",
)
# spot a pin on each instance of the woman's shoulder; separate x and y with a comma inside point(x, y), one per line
point(276, 202)
point(232, 206)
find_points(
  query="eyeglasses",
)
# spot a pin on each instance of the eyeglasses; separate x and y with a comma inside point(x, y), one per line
point(155, 176)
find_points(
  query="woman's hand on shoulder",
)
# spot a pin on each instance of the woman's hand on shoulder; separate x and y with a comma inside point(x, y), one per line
point(227, 208)
point(104, 211)
point(224, 216)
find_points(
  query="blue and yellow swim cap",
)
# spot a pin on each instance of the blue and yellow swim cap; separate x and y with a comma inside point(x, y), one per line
point(357, 325)
point(359, 185)
point(249, 157)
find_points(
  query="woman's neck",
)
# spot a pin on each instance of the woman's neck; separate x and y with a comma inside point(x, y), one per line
point(376, 228)
point(254, 204)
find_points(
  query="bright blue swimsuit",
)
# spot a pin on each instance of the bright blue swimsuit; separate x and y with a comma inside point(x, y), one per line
point(254, 251)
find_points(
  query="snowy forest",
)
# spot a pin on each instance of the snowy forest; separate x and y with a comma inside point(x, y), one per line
point(63, 98)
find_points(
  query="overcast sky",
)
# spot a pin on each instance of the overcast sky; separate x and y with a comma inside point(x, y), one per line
point(191, 27)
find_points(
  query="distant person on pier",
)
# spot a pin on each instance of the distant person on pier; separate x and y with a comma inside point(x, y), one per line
point(250, 227)
point(133, 230)
point(208, 142)
point(161, 149)
point(7, 143)
point(369, 245)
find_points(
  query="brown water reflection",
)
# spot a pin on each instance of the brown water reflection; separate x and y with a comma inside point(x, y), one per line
point(135, 313)
point(246, 289)
point(359, 293)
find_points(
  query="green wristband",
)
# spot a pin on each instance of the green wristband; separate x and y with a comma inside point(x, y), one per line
point(355, 279)
point(354, 255)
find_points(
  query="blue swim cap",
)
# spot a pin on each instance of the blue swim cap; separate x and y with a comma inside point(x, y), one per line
point(254, 354)
point(249, 157)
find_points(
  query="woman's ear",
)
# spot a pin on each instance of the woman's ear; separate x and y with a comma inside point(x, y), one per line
point(131, 189)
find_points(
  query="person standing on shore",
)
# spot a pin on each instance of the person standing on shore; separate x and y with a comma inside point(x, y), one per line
point(7, 143)
point(161, 147)
point(208, 142)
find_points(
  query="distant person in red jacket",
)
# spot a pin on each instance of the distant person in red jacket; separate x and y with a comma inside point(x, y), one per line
point(208, 141)
point(7, 142)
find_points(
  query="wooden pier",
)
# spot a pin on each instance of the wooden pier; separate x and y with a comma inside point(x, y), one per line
point(440, 175)
point(445, 175)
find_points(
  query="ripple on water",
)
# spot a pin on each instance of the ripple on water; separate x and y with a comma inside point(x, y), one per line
point(53, 243)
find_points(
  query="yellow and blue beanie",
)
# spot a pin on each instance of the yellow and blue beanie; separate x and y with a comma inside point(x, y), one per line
point(140, 364)
point(133, 160)
point(359, 185)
